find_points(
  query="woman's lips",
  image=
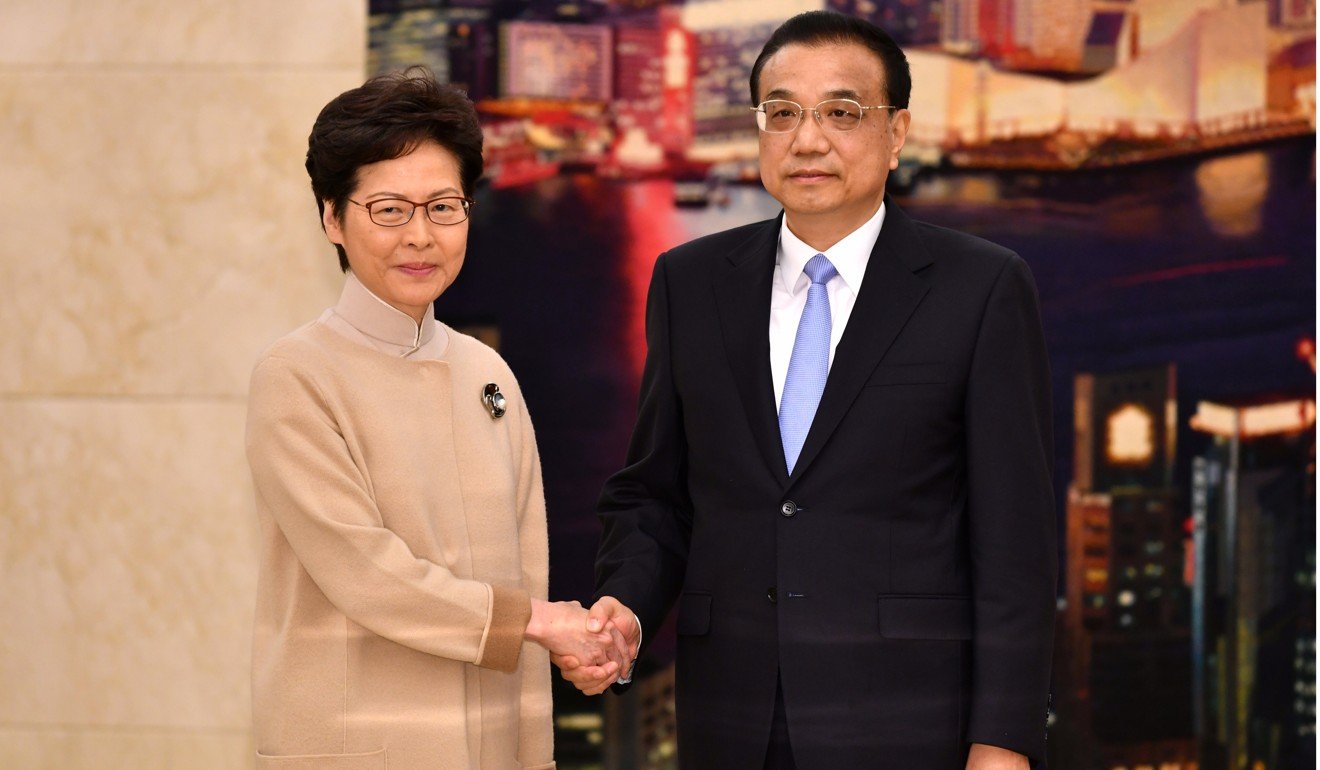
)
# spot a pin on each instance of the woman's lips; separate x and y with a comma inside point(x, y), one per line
point(417, 269)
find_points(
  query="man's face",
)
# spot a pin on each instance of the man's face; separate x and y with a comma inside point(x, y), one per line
point(825, 179)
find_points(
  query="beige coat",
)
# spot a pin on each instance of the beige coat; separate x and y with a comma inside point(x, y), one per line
point(402, 533)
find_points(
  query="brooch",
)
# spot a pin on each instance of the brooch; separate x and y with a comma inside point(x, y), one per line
point(494, 400)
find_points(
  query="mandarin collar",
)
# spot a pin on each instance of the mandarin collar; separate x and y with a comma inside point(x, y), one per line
point(380, 321)
point(849, 256)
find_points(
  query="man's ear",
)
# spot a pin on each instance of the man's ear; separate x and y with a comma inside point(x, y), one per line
point(898, 127)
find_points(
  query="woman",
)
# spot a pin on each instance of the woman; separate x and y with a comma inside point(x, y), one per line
point(403, 535)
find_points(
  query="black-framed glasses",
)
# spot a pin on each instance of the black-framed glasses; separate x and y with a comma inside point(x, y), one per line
point(396, 212)
point(780, 116)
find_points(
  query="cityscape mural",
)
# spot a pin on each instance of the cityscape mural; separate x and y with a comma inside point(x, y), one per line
point(1153, 161)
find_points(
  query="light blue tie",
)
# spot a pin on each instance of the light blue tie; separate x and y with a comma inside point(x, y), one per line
point(810, 364)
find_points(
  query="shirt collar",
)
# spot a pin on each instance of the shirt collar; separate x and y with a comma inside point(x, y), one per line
point(379, 320)
point(849, 256)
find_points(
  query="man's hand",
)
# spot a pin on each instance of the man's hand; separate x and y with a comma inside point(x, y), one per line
point(561, 628)
point(610, 616)
point(986, 757)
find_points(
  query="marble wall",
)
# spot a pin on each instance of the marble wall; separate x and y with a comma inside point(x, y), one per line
point(156, 232)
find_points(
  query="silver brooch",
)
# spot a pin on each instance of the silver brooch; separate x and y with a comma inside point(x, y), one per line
point(494, 400)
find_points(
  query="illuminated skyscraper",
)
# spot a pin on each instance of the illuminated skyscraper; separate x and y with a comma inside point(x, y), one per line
point(1254, 596)
point(638, 77)
point(556, 61)
point(1125, 430)
point(640, 726)
point(728, 35)
point(996, 29)
point(1057, 30)
point(1127, 690)
point(1292, 13)
point(401, 33)
point(472, 44)
point(678, 53)
point(909, 22)
point(960, 29)
point(456, 41)
point(998, 26)
point(654, 72)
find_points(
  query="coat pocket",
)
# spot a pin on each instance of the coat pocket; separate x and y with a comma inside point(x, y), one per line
point(693, 614)
point(374, 760)
point(908, 374)
point(929, 616)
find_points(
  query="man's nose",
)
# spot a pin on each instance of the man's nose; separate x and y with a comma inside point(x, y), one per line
point(809, 137)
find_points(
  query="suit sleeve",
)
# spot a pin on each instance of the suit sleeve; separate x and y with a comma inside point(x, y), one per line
point(536, 734)
point(1010, 449)
point(307, 481)
point(644, 509)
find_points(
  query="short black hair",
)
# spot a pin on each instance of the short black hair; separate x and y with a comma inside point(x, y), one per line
point(815, 28)
point(384, 118)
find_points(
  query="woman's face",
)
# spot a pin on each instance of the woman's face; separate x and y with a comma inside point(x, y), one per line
point(410, 265)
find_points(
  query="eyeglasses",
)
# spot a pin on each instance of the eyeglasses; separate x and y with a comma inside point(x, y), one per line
point(779, 116)
point(397, 212)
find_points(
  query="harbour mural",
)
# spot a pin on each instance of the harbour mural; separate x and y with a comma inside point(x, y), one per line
point(1153, 161)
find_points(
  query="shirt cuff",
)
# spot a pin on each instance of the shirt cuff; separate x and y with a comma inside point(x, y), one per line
point(627, 679)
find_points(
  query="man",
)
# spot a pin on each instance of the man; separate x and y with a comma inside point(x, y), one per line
point(841, 467)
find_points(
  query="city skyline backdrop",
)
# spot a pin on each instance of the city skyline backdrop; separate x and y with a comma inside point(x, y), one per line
point(1153, 161)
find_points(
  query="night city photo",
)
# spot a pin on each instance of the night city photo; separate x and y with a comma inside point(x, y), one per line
point(1153, 161)
point(298, 294)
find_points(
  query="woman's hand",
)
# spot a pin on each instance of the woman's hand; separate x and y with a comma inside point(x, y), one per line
point(561, 628)
point(610, 615)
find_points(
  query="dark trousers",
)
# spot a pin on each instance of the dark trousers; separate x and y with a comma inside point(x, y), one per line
point(779, 754)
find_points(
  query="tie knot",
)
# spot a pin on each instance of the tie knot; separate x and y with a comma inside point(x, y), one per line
point(820, 270)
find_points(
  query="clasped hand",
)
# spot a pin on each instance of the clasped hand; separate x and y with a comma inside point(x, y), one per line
point(597, 647)
point(592, 649)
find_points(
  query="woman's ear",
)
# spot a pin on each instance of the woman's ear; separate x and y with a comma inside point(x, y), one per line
point(330, 222)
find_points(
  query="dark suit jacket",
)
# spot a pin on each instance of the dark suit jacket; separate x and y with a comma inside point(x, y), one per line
point(901, 581)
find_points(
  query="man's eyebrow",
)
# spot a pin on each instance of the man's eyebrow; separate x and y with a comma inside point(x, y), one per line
point(844, 93)
point(838, 93)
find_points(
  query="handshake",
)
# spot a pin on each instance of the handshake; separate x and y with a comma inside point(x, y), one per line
point(593, 649)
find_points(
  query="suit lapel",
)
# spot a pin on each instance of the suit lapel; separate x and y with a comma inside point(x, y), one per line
point(742, 293)
point(891, 290)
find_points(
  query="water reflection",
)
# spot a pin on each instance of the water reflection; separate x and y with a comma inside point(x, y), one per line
point(979, 189)
point(652, 229)
point(747, 204)
point(1232, 192)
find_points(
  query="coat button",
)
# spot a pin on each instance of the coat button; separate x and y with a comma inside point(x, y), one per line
point(772, 595)
point(789, 508)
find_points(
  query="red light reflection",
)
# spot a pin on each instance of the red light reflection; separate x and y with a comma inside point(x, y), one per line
point(649, 207)
point(1306, 351)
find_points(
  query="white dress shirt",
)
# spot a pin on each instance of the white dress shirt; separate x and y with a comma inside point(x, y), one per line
point(788, 293)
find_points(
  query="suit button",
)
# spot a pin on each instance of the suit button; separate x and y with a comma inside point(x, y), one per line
point(789, 508)
point(772, 595)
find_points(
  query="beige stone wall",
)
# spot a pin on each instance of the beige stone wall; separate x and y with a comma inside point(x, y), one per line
point(156, 232)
